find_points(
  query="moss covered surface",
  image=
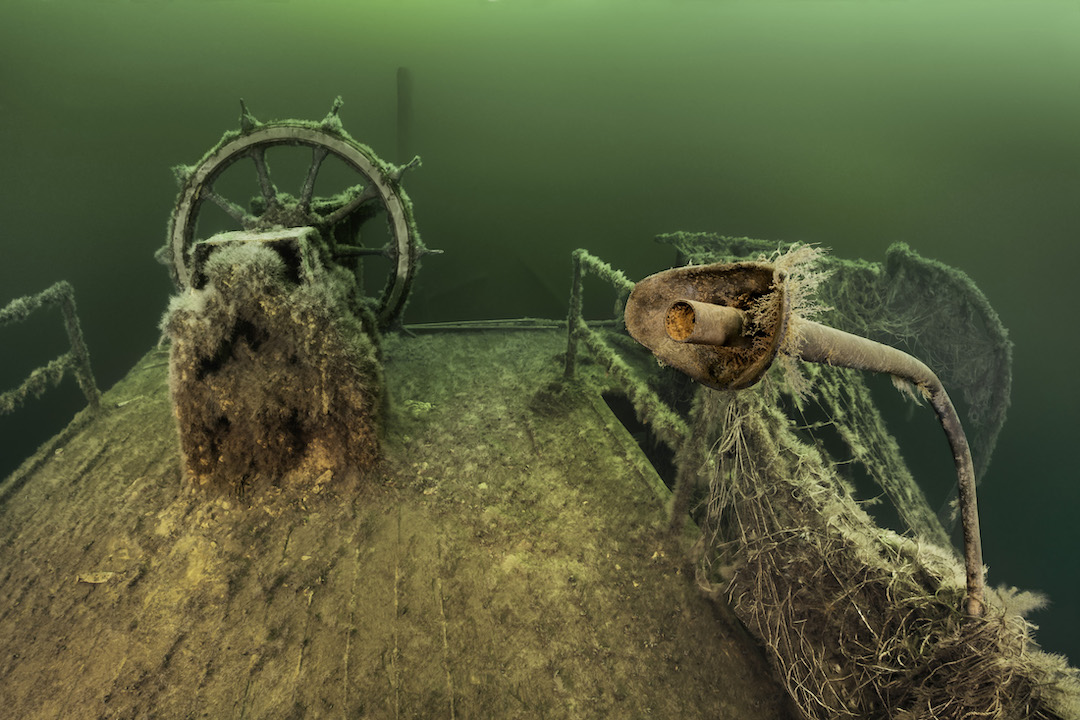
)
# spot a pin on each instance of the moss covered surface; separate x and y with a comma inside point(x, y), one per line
point(507, 559)
point(270, 376)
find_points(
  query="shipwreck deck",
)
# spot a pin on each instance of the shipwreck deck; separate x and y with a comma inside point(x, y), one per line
point(509, 559)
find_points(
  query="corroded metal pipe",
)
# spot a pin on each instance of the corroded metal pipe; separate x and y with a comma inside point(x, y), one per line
point(822, 344)
point(703, 323)
point(693, 322)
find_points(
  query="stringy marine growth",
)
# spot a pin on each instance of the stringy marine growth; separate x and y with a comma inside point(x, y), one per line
point(801, 270)
point(859, 622)
point(931, 310)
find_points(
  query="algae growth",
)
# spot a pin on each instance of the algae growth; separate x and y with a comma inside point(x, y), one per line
point(506, 559)
point(858, 621)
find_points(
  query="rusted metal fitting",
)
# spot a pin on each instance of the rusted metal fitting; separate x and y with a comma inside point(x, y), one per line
point(703, 323)
point(721, 324)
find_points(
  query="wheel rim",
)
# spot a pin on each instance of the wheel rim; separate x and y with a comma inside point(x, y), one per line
point(336, 219)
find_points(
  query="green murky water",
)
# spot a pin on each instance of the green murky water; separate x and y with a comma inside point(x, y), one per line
point(546, 126)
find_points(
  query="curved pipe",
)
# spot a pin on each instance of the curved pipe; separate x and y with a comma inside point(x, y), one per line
point(700, 323)
point(823, 344)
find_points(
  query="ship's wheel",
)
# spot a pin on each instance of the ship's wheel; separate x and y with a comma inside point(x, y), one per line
point(340, 219)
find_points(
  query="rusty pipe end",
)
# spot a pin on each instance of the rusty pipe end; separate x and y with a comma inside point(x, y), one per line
point(689, 321)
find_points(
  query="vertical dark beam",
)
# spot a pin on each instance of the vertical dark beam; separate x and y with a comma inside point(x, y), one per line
point(404, 115)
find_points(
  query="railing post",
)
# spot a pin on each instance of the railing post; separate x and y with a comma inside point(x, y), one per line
point(573, 315)
point(83, 373)
point(76, 360)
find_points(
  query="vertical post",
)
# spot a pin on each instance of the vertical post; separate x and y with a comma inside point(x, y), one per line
point(404, 114)
point(83, 374)
point(573, 316)
point(621, 296)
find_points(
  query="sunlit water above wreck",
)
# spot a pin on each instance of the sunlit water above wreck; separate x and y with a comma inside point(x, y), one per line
point(547, 126)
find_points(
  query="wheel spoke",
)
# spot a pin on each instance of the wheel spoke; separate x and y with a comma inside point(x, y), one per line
point(344, 251)
point(368, 194)
point(340, 218)
point(318, 154)
point(269, 192)
point(233, 210)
